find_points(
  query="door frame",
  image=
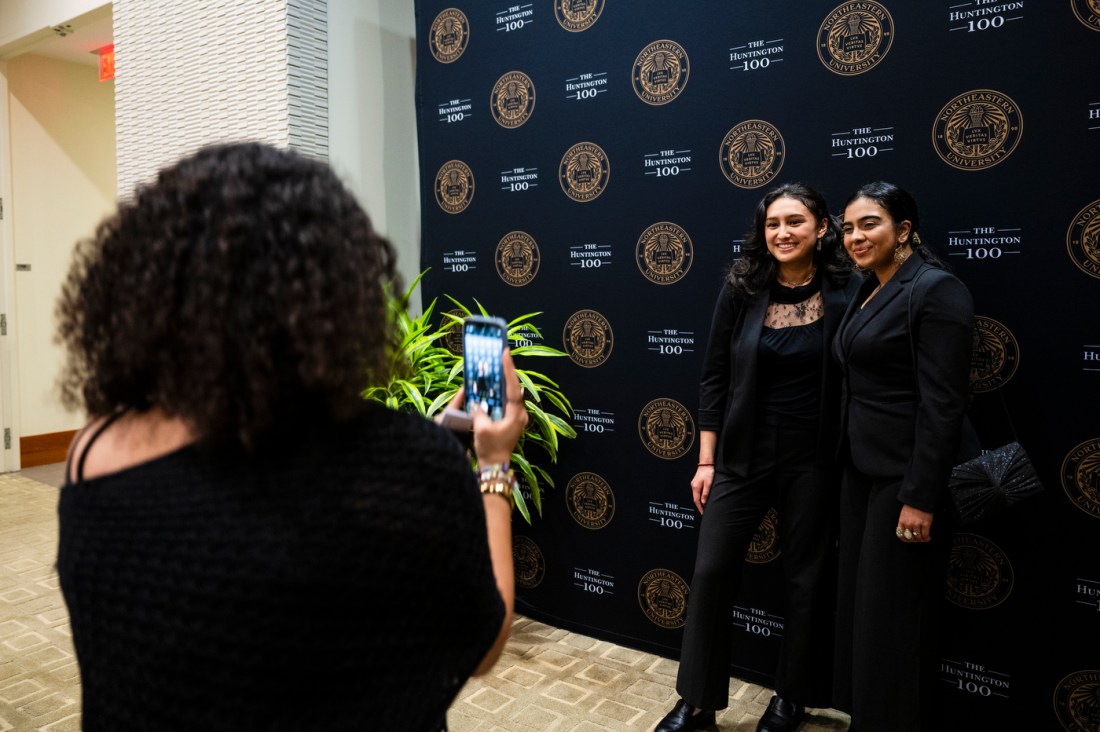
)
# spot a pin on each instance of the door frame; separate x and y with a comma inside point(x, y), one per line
point(9, 353)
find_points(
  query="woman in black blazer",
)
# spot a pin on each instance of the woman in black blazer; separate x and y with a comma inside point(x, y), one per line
point(904, 351)
point(768, 430)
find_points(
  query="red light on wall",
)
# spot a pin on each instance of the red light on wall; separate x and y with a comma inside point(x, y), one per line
point(107, 62)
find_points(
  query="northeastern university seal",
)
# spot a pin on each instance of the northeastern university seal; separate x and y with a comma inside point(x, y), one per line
point(995, 356)
point(977, 129)
point(660, 72)
point(1088, 12)
point(513, 99)
point(664, 253)
point(855, 37)
point(666, 428)
point(517, 258)
point(979, 575)
point(1077, 701)
point(662, 595)
point(590, 500)
point(751, 154)
point(529, 562)
point(452, 331)
point(588, 338)
point(577, 15)
point(1083, 239)
point(1081, 476)
point(454, 186)
point(765, 542)
point(584, 171)
point(449, 35)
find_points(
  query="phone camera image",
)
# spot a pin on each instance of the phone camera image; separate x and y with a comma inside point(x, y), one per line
point(483, 347)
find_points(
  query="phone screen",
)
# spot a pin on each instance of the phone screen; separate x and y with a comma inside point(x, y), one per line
point(483, 347)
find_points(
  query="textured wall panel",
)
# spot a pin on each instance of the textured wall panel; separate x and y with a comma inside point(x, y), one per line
point(191, 73)
point(307, 83)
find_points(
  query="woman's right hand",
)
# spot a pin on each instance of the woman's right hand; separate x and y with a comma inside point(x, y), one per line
point(494, 441)
point(700, 485)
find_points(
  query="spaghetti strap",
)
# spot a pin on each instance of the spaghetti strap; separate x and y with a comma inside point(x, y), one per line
point(91, 440)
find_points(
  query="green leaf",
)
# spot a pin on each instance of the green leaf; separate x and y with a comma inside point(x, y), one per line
point(425, 376)
point(521, 505)
point(536, 350)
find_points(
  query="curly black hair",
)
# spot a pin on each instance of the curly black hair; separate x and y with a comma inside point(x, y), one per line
point(241, 291)
point(755, 270)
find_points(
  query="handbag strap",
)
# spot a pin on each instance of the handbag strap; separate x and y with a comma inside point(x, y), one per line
point(913, 352)
point(909, 318)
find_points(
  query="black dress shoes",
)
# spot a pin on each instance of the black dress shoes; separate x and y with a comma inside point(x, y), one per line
point(684, 718)
point(780, 716)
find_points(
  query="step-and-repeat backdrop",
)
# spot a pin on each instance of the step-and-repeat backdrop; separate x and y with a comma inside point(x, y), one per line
point(598, 161)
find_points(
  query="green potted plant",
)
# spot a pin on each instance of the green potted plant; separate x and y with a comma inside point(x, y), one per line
point(425, 375)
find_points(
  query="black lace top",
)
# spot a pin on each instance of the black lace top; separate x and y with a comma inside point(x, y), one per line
point(790, 354)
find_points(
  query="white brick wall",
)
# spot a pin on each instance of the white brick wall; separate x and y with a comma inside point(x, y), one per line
point(192, 72)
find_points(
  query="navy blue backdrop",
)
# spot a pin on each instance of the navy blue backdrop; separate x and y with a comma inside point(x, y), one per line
point(599, 162)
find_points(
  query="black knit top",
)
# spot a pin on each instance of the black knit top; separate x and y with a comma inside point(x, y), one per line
point(340, 583)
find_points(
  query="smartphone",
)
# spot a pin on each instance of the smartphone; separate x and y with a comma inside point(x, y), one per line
point(483, 372)
point(483, 340)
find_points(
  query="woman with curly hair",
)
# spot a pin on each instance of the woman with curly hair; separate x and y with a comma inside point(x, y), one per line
point(245, 543)
point(768, 431)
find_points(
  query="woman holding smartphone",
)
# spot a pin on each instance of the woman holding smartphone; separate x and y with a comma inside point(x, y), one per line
point(768, 429)
point(245, 542)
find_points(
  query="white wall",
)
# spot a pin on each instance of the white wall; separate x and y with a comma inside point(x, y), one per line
point(372, 116)
point(25, 22)
point(63, 184)
point(62, 126)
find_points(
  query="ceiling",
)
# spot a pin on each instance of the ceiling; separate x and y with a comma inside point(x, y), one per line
point(83, 37)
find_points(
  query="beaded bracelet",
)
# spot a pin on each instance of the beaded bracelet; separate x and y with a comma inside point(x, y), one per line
point(497, 479)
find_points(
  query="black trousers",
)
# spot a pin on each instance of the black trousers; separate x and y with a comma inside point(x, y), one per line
point(783, 475)
point(890, 594)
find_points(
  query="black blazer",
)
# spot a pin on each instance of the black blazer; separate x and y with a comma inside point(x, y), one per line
point(900, 422)
point(727, 388)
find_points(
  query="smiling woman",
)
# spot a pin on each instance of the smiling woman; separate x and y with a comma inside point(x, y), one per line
point(792, 233)
point(768, 428)
point(904, 349)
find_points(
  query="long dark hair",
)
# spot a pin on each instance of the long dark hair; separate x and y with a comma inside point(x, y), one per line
point(902, 207)
point(755, 270)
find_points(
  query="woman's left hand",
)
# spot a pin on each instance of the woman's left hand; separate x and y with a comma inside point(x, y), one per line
point(914, 525)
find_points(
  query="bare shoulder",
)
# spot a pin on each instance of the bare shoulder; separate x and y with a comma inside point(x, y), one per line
point(111, 445)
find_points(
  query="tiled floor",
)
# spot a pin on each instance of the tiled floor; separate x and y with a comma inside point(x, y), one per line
point(52, 474)
point(39, 679)
point(549, 680)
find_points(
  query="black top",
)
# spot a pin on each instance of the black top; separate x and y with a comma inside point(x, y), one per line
point(729, 382)
point(790, 362)
point(790, 373)
point(340, 583)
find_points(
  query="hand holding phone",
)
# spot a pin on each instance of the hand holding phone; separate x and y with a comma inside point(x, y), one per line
point(492, 442)
point(483, 341)
point(483, 372)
